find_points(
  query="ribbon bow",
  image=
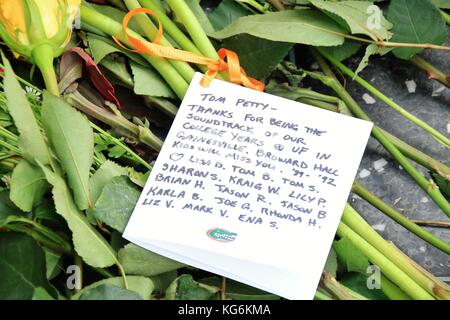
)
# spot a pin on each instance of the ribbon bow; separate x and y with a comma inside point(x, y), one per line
point(231, 65)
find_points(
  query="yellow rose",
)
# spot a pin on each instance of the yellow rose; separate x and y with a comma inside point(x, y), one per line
point(26, 24)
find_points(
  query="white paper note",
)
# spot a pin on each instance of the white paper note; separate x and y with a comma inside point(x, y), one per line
point(250, 186)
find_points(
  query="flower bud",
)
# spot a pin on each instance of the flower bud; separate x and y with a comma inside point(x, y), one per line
point(27, 24)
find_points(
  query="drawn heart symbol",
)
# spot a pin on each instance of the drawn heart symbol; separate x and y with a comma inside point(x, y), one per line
point(176, 156)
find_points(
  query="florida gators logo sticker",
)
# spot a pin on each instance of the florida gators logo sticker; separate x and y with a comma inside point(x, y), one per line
point(221, 235)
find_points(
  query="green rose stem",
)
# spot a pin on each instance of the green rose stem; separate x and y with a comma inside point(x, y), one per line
point(359, 226)
point(432, 223)
point(392, 291)
point(361, 191)
point(150, 31)
point(8, 161)
point(144, 135)
point(324, 102)
point(8, 135)
point(177, 35)
point(43, 57)
point(47, 232)
point(39, 237)
point(330, 284)
point(113, 28)
point(432, 71)
point(322, 296)
point(193, 27)
point(164, 105)
point(171, 28)
point(418, 156)
point(425, 126)
point(392, 271)
point(118, 4)
point(10, 147)
point(428, 185)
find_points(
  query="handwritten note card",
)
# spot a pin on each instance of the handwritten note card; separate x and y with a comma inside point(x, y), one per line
point(250, 186)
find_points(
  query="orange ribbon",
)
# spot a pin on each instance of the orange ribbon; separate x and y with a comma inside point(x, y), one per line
point(236, 73)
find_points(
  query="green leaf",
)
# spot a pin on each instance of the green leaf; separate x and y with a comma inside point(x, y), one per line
point(22, 267)
point(331, 264)
point(41, 294)
point(358, 283)
point(109, 292)
point(163, 280)
point(185, 288)
point(72, 139)
point(88, 243)
point(351, 256)
point(295, 26)
point(225, 13)
point(239, 291)
point(100, 47)
point(416, 21)
point(443, 4)
point(107, 171)
point(355, 17)
point(141, 285)
point(116, 203)
point(118, 68)
point(52, 263)
point(148, 82)
point(344, 51)
point(371, 49)
point(7, 208)
point(28, 185)
point(138, 178)
point(139, 261)
point(31, 140)
point(46, 211)
point(259, 57)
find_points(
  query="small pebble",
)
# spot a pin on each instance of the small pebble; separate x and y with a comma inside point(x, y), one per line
point(437, 92)
point(356, 197)
point(423, 248)
point(379, 227)
point(379, 164)
point(448, 127)
point(368, 99)
point(364, 173)
point(411, 85)
point(424, 200)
